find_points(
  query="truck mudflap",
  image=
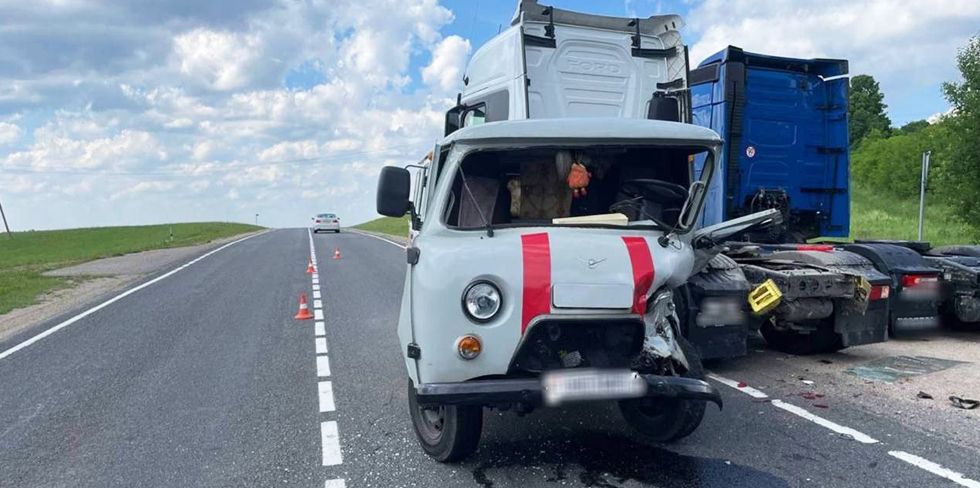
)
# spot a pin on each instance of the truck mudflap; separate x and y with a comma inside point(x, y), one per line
point(711, 308)
point(915, 296)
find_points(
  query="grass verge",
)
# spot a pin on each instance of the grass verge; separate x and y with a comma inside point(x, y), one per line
point(393, 226)
point(879, 215)
point(28, 254)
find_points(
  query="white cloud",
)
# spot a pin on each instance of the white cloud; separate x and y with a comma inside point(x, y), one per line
point(219, 60)
point(448, 61)
point(9, 133)
point(907, 46)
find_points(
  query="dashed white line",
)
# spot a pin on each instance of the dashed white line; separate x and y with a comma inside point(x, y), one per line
point(934, 468)
point(337, 483)
point(330, 439)
point(316, 294)
point(326, 396)
point(840, 429)
point(317, 303)
point(734, 384)
point(316, 287)
point(115, 299)
point(318, 314)
point(319, 329)
point(322, 366)
point(321, 345)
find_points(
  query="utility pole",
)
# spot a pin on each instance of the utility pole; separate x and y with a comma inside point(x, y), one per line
point(5, 226)
point(922, 190)
point(256, 219)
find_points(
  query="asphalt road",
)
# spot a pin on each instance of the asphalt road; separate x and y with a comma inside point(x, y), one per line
point(203, 378)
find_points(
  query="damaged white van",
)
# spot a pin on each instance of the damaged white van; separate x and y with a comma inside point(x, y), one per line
point(540, 272)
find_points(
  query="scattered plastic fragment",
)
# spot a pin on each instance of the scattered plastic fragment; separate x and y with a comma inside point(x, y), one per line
point(807, 382)
point(826, 361)
point(964, 403)
point(924, 395)
point(808, 395)
point(742, 384)
point(821, 405)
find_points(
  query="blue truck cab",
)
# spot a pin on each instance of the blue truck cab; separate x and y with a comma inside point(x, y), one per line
point(784, 122)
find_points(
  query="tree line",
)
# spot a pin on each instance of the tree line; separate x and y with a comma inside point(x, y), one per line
point(885, 158)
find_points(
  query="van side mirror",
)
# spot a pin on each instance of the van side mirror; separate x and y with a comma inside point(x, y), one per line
point(454, 119)
point(394, 186)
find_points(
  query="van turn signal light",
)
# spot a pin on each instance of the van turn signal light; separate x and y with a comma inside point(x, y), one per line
point(469, 347)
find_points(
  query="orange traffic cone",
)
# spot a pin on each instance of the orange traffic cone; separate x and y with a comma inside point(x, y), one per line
point(336, 253)
point(304, 309)
point(309, 267)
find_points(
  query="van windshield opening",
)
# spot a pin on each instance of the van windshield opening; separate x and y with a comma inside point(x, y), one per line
point(593, 186)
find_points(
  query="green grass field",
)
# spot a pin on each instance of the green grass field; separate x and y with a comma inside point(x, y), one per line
point(874, 215)
point(28, 254)
point(387, 225)
point(878, 215)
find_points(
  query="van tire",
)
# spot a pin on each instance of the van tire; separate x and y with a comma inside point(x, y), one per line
point(676, 418)
point(451, 433)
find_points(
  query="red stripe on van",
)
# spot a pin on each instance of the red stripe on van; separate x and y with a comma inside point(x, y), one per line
point(643, 273)
point(536, 253)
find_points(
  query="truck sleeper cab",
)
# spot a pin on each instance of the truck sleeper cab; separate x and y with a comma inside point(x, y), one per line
point(524, 282)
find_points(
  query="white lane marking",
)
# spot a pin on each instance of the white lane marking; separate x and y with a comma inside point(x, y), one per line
point(934, 468)
point(337, 483)
point(316, 282)
point(322, 366)
point(840, 429)
point(326, 396)
point(380, 239)
point(331, 443)
point(321, 345)
point(317, 303)
point(316, 287)
point(318, 314)
point(115, 299)
point(318, 328)
point(315, 277)
point(316, 294)
point(748, 390)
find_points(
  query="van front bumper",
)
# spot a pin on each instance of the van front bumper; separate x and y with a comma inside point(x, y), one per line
point(531, 391)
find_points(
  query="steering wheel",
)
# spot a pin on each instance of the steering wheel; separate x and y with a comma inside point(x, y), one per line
point(659, 191)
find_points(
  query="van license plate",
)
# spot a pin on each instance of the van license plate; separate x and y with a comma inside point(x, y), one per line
point(591, 384)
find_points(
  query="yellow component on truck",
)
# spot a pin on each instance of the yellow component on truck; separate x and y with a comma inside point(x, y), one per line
point(764, 297)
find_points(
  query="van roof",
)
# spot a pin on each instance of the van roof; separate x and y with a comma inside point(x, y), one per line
point(587, 128)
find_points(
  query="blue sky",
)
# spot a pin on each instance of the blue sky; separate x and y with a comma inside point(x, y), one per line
point(128, 112)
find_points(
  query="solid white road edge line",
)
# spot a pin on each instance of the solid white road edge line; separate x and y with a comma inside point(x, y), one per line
point(337, 483)
point(321, 345)
point(748, 390)
point(379, 238)
point(840, 429)
point(319, 329)
point(115, 299)
point(322, 366)
point(331, 443)
point(934, 468)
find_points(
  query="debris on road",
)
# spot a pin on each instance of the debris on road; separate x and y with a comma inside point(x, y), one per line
point(924, 395)
point(964, 403)
point(894, 368)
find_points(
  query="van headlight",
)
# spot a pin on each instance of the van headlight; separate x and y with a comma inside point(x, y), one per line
point(481, 301)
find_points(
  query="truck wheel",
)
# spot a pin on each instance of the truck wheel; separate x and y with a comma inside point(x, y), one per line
point(448, 432)
point(822, 340)
point(666, 420)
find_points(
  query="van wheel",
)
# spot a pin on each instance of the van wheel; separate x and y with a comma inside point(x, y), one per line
point(820, 341)
point(666, 420)
point(448, 432)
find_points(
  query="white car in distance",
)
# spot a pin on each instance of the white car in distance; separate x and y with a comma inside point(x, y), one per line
point(326, 222)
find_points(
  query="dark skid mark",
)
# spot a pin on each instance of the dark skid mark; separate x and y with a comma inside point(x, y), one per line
point(609, 460)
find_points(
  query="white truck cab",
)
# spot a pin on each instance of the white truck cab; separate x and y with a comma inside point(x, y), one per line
point(541, 272)
point(553, 63)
